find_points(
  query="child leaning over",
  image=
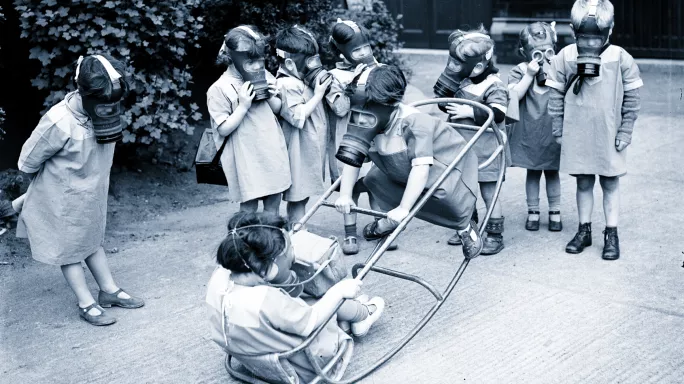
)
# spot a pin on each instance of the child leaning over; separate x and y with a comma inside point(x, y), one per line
point(250, 317)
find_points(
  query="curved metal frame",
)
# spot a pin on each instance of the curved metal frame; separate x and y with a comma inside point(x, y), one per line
point(381, 247)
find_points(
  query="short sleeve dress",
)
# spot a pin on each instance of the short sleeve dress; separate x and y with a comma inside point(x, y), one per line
point(254, 320)
point(255, 158)
point(65, 210)
point(531, 139)
point(306, 138)
point(414, 138)
point(593, 117)
point(493, 93)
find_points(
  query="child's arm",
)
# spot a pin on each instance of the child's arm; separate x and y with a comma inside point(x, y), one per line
point(519, 79)
point(557, 81)
point(417, 181)
point(274, 101)
point(45, 141)
point(631, 103)
point(296, 109)
point(221, 108)
point(337, 100)
point(496, 98)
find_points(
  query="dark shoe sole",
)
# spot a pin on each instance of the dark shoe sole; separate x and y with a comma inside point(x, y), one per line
point(610, 258)
point(122, 305)
point(576, 252)
point(532, 226)
point(555, 227)
point(493, 252)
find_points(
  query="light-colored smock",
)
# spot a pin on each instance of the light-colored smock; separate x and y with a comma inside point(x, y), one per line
point(256, 320)
point(255, 158)
point(531, 139)
point(65, 210)
point(592, 119)
point(306, 138)
point(412, 139)
point(493, 93)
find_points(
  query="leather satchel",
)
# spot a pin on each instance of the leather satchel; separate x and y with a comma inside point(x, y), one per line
point(208, 160)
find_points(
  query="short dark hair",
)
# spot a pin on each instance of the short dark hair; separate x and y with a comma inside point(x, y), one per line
point(296, 39)
point(252, 249)
point(386, 84)
point(343, 33)
point(93, 79)
point(232, 40)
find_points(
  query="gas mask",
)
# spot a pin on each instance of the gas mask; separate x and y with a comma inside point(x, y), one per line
point(366, 120)
point(309, 68)
point(458, 70)
point(591, 40)
point(540, 47)
point(357, 50)
point(252, 69)
point(105, 113)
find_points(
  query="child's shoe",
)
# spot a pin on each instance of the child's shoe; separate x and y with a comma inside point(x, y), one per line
point(472, 242)
point(344, 326)
point(350, 246)
point(581, 240)
point(494, 242)
point(360, 328)
point(533, 225)
point(611, 247)
point(101, 319)
point(456, 238)
point(555, 226)
point(106, 300)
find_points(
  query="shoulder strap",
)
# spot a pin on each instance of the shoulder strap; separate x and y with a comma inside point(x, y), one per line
point(217, 157)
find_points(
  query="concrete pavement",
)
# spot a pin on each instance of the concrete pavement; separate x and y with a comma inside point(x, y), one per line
point(532, 314)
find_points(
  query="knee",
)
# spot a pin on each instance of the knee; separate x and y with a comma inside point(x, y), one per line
point(609, 184)
point(550, 175)
point(585, 183)
point(534, 174)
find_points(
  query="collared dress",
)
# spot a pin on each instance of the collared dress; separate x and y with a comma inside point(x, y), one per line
point(531, 139)
point(306, 138)
point(256, 320)
point(414, 138)
point(493, 93)
point(593, 118)
point(255, 158)
point(65, 209)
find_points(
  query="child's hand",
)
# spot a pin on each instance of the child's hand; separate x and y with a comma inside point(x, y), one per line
point(459, 111)
point(322, 88)
point(343, 204)
point(397, 214)
point(620, 145)
point(532, 67)
point(559, 140)
point(349, 288)
point(272, 88)
point(246, 95)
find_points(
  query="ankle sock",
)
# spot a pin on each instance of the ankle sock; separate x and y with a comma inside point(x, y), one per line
point(350, 230)
point(533, 204)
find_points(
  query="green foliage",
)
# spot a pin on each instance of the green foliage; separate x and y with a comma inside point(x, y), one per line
point(316, 15)
point(151, 37)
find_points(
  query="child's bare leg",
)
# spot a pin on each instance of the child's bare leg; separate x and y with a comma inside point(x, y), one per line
point(296, 210)
point(493, 243)
point(611, 208)
point(532, 193)
point(250, 206)
point(75, 277)
point(350, 244)
point(553, 193)
point(99, 267)
point(272, 204)
point(611, 199)
point(585, 197)
point(361, 315)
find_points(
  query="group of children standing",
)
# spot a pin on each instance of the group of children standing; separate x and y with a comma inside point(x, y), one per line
point(577, 111)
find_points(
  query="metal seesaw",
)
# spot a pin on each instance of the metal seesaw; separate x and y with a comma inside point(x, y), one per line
point(284, 373)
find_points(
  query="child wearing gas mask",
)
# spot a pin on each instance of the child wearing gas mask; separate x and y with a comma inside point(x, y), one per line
point(350, 41)
point(471, 74)
point(594, 103)
point(302, 82)
point(409, 150)
point(249, 315)
point(532, 144)
point(243, 104)
point(64, 210)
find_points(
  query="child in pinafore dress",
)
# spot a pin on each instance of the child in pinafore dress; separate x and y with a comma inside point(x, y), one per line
point(64, 210)
point(472, 56)
point(346, 32)
point(303, 118)
point(255, 157)
point(248, 316)
point(531, 140)
point(593, 116)
point(410, 151)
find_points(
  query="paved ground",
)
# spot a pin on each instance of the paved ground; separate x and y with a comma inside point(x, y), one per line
point(531, 314)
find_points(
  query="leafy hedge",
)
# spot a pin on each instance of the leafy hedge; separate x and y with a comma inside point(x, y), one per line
point(153, 38)
point(316, 15)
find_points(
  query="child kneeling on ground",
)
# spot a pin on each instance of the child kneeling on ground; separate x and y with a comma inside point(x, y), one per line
point(249, 316)
point(410, 151)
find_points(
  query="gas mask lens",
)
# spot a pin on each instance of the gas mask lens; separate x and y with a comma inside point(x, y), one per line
point(454, 65)
point(589, 41)
point(363, 120)
point(361, 52)
point(540, 56)
point(254, 65)
point(107, 110)
point(314, 62)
